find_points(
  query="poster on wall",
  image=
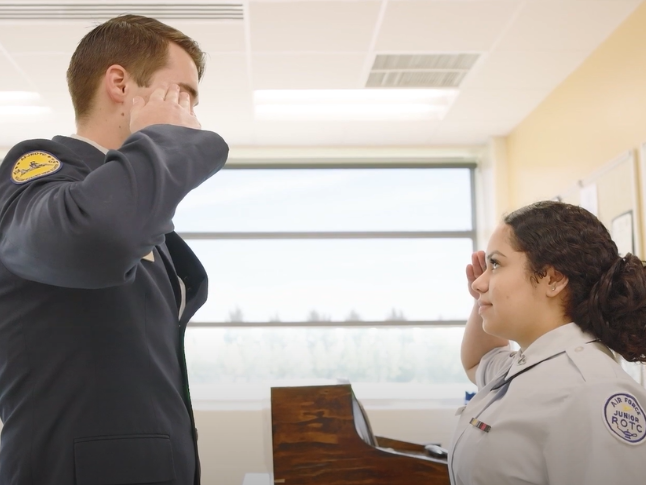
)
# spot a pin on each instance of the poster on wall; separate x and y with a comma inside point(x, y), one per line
point(589, 198)
point(622, 233)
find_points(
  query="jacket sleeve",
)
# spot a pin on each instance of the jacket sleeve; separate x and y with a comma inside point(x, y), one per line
point(81, 229)
point(586, 447)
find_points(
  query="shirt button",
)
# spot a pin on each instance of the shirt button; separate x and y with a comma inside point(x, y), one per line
point(578, 349)
point(521, 361)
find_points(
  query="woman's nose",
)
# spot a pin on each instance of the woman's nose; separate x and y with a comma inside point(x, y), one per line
point(481, 283)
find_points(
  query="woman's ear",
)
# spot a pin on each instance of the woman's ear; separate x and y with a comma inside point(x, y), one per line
point(115, 82)
point(555, 281)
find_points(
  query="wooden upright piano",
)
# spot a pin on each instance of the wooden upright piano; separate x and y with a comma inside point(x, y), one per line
point(322, 436)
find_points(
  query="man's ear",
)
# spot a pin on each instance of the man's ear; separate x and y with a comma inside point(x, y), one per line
point(115, 82)
point(555, 281)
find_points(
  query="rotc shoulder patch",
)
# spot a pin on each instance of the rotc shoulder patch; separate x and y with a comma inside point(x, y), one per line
point(34, 165)
point(624, 418)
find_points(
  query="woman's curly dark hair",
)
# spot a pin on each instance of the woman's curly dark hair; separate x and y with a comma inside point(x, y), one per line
point(606, 294)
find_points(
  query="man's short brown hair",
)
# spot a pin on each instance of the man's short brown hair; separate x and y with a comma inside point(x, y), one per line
point(138, 44)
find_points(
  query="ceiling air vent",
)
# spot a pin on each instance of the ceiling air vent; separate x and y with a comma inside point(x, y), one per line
point(420, 71)
point(103, 11)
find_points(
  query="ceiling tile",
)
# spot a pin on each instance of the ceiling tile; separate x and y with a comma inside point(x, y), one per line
point(298, 133)
point(215, 37)
point(48, 74)
point(303, 1)
point(42, 36)
point(225, 99)
point(312, 26)
point(495, 104)
point(470, 133)
point(523, 70)
point(12, 79)
point(461, 138)
point(309, 44)
point(225, 95)
point(226, 72)
point(565, 25)
point(377, 133)
point(308, 71)
point(373, 133)
point(443, 26)
point(234, 132)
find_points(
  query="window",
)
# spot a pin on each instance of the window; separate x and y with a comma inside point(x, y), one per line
point(325, 273)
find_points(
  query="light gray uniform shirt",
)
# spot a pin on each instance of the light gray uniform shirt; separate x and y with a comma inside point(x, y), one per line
point(564, 412)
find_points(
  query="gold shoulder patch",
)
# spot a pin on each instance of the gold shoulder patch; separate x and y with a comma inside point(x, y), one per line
point(34, 165)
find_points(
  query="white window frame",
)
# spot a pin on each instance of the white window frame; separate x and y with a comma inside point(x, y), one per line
point(352, 235)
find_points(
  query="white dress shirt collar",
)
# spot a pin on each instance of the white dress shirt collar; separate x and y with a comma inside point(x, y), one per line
point(94, 144)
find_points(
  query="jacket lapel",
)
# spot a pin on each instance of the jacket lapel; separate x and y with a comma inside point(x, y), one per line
point(192, 273)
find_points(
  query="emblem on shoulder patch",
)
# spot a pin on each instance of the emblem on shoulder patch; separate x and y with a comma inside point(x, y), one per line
point(34, 165)
point(624, 418)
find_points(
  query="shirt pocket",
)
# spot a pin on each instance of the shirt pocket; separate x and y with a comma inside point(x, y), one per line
point(123, 460)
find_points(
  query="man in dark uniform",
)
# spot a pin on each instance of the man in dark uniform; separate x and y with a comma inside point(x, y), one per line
point(95, 287)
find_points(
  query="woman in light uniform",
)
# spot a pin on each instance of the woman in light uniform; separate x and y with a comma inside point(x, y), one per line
point(561, 411)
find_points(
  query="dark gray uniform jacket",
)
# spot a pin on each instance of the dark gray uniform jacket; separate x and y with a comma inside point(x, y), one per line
point(93, 383)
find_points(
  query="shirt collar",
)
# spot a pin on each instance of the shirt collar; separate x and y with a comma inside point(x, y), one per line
point(548, 345)
point(94, 144)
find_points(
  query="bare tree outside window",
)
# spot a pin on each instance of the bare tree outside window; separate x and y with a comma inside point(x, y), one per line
point(353, 316)
point(236, 316)
point(396, 315)
point(315, 316)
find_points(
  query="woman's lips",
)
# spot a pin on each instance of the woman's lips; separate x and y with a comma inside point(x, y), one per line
point(483, 307)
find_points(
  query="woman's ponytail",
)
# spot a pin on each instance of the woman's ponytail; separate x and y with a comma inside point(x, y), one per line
point(616, 309)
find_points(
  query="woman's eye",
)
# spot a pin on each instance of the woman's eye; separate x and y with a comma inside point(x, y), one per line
point(493, 263)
